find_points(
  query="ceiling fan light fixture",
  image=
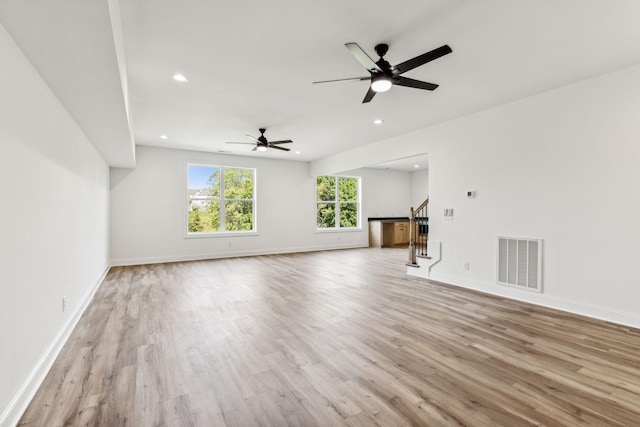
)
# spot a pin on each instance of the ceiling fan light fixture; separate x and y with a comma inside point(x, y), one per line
point(380, 84)
point(261, 148)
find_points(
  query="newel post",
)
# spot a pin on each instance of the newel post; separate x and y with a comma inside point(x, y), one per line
point(412, 244)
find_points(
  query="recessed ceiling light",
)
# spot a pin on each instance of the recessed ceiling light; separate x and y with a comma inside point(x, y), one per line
point(416, 166)
point(180, 78)
point(297, 152)
point(378, 121)
point(164, 137)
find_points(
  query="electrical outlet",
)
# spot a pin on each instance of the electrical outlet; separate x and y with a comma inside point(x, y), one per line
point(466, 265)
point(64, 304)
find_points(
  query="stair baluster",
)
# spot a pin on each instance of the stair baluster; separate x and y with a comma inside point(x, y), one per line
point(418, 233)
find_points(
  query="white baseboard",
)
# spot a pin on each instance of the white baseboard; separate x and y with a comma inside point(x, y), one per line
point(12, 414)
point(584, 309)
point(230, 254)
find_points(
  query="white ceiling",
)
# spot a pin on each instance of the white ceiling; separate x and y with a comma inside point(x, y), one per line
point(405, 164)
point(251, 64)
point(77, 49)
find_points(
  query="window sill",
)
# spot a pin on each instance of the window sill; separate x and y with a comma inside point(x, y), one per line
point(337, 230)
point(220, 234)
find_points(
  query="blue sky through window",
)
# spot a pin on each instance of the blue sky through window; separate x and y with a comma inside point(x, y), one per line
point(198, 176)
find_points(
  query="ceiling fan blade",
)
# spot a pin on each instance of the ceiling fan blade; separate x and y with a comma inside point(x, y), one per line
point(278, 148)
point(369, 96)
point(255, 148)
point(343, 80)
point(421, 59)
point(417, 84)
point(250, 143)
point(253, 138)
point(362, 56)
point(285, 141)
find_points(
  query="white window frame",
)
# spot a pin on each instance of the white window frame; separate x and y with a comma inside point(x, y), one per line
point(221, 233)
point(336, 227)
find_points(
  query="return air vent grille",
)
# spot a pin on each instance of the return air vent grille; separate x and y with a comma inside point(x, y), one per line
point(519, 262)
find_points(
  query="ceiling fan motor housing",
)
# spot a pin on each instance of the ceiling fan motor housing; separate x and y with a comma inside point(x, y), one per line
point(262, 138)
point(382, 49)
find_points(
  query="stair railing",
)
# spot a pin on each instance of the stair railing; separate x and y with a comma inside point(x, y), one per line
point(418, 233)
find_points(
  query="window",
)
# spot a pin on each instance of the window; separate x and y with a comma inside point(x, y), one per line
point(337, 202)
point(220, 199)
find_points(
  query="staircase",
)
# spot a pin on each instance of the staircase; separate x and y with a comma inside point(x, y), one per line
point(422, 254)
point(418, 233)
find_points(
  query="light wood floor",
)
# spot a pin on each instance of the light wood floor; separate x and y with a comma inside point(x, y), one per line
point(330, 339)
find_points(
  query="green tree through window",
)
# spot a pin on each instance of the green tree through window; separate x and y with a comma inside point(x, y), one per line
point(220, 199)
point(337, 202)
point(238, 194)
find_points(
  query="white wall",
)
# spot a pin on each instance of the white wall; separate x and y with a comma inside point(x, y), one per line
point(53, 223)
point(148, 208)
point(385, 193)
point(419, 187)
point(561, 166)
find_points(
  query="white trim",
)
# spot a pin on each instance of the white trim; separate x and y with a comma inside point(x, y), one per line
point(14, 411)
point(584, 309)
point(425, 264)
point(200, 235)
point(338, 230)
point(229, 254)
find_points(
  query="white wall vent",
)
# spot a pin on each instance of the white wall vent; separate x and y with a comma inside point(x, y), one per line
point(520, 262)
